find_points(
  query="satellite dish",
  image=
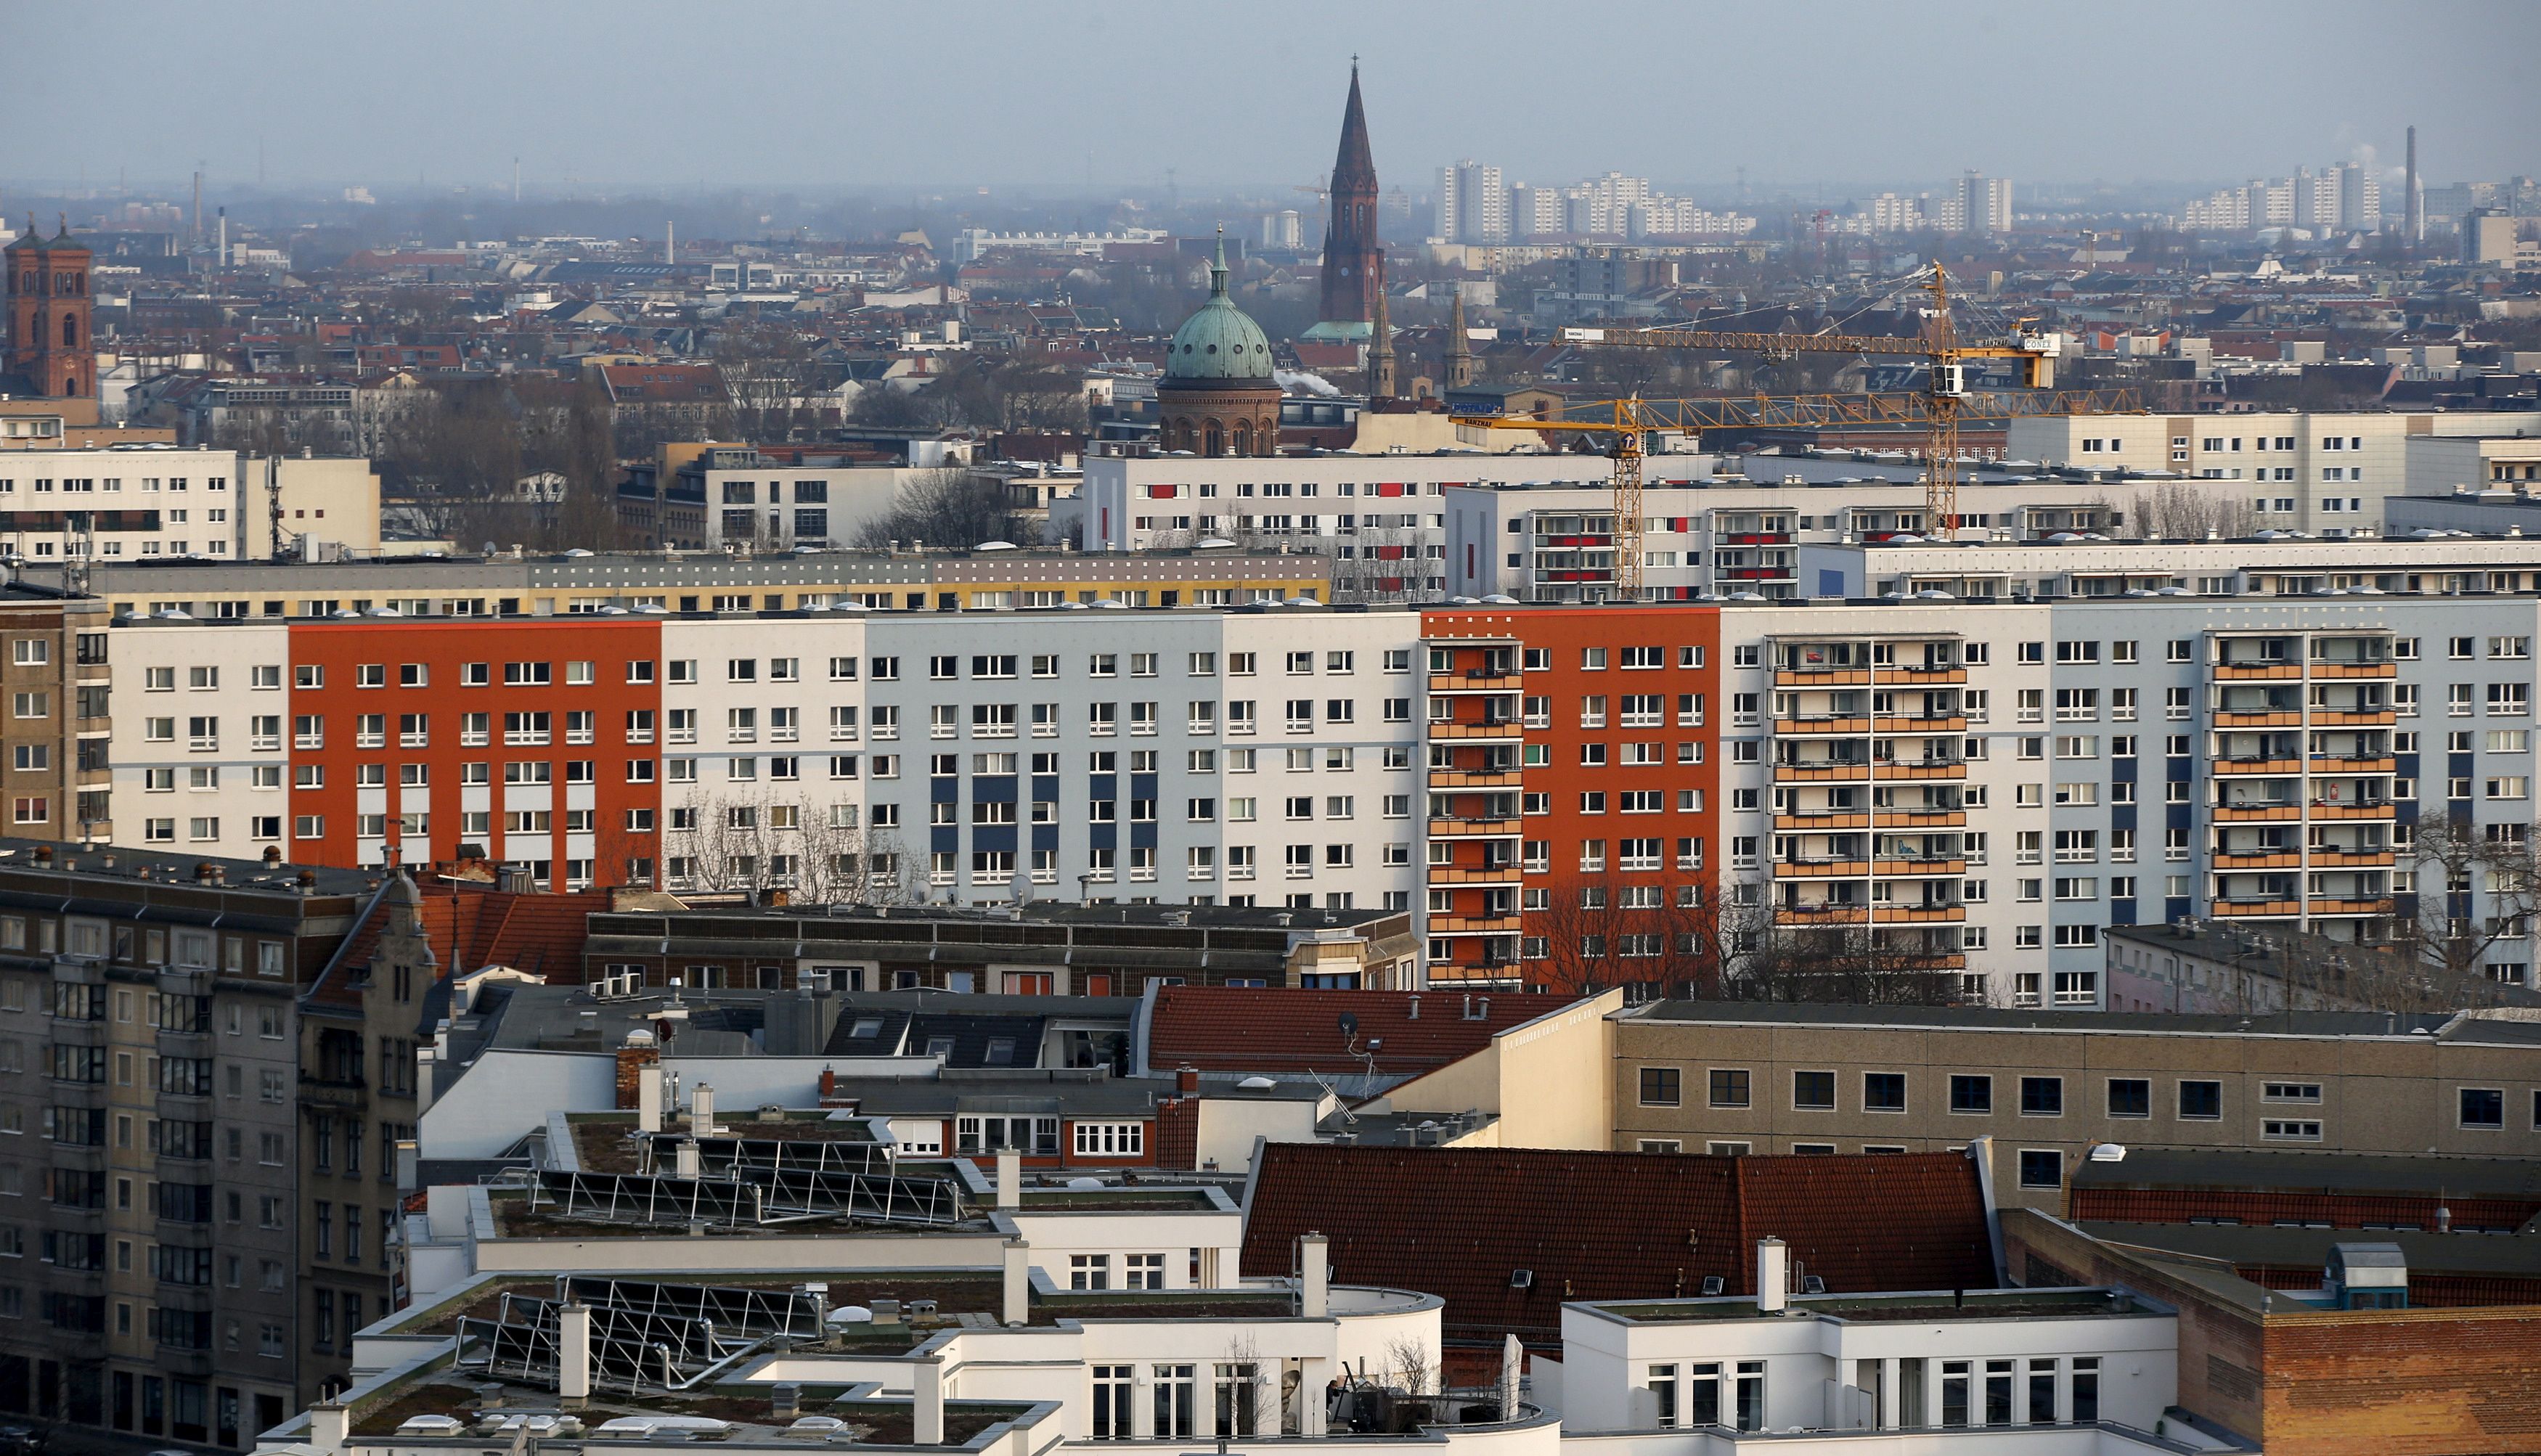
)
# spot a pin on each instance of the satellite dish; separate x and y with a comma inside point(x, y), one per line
point(1349, 1023)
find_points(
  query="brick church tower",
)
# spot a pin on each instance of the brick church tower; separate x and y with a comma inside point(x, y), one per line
point(1353, 260)
point(50, 354)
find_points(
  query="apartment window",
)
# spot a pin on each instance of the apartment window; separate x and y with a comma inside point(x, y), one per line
point(2130, 1097)
point(1883, 1092)
point(1813, 1091)
point(1661, 1086)
point(2483, 1107)
point(1729, 1087)
point(2040, 1167)
point(1970, 1093)
point(2200, 1102)
point(2042, 1097)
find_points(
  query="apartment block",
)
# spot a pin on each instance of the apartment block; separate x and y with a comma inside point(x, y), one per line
point(2325, 474)
point(2042, 1090)
point(150, 1136)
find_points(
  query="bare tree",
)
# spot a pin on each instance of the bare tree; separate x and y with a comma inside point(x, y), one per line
point(2462, 869)
point(768, 367)
point(2178, 511)
point(947, 508)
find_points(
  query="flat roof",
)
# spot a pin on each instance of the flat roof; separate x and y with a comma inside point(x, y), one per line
point(2272, 1245)
point(2012, 1019)
point(1936, 1305)
point(2314, 1172)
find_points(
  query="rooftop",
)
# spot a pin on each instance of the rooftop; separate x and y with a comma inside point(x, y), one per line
point(1506, 1236)
point(2314, 1172)
point(2303, 1024)
point(1937, 1305)
point(1283, 1030)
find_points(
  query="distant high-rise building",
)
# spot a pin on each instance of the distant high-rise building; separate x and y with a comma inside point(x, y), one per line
point(2359, 199)
point(2316, 197)
point(1473, 204)
point(1535, 212)
point(1984, 203)
point(1283, 229)
point(1354, 257)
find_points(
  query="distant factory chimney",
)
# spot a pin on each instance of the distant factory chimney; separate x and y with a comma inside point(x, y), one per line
point(2414, 203)
point(670, 244)
point(221, 258)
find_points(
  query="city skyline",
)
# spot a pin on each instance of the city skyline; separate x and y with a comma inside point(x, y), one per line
point(1011, 128)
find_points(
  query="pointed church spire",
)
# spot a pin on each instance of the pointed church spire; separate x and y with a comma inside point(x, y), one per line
point(1380, 353)
point(1356, 163)
point(1460, 353)
point(1218, 269)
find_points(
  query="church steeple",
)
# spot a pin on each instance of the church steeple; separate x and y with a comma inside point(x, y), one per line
point(1380, 353)
point(1354, 258)
point(1460, 353)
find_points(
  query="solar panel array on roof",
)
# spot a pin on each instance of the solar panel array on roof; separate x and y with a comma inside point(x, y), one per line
point(747, 1157)
point(755, 1195)
point(728, 1309)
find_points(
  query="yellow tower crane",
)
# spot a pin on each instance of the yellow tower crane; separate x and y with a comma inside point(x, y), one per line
point(1944, 401)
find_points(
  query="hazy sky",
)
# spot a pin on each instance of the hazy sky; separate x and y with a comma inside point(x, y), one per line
point(991, 92)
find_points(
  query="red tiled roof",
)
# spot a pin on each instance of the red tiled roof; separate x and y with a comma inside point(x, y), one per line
point(471, 927)
point(1219, 1028)
point(1457, 1222)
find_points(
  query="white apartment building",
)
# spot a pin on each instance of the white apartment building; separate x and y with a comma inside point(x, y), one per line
point(779, 507)
point(1722, 535)
point(138, 503)
point(1381, 513)
point(2325, 474)
point(1473, 203)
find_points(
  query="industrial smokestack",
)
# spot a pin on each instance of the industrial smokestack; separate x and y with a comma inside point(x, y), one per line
point(222, 256)
point(670, 244)
point(2414, 203)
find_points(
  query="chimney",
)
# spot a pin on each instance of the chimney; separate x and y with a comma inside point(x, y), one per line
point(1772, 1275)
point(1314, 1277)
point(648, 1098)
point(1010, 1178)
point(1186, 1079)
point(926, 1401)
point(573, 1353)
point(785, 1400)
point(685, 1157)
point(829, 1083)
point(2444, 1220)
point(273, 857)
point(1416, 1010)
point(701, 1110)
point(1017, 1307)
point(330, 1425)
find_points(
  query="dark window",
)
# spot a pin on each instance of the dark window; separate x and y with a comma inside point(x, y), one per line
point(2483, 1107)
point(1972, 1094)
point(2130, 1097)
point(1816, 1090)
point(1883, 1092)
point(2201, 1101)
point(2041, 1166)
point(1660, 1086)
point(1729, 1086)
point(2042, 1097)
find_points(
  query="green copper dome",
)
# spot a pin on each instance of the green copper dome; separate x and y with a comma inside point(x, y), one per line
point(1219, 341)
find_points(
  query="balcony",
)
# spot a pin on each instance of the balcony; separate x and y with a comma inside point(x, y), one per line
point(1472, 924)
point(2329, 906)
point(1503, 730)
point(1821, 915)
point(2257, 672)
point(2266, 767)
point(1821, 771)
point(1475, 680)
point(1752, 537)
point(2228, 718)
point(1921, 915)
point(1950, 769)
point(1928, 676)
point(1824, 677)
point(2381, 809)
point(2354, 858)
point(1909, 869)
point(2360, 718)
point(1919, 818)
point(1831, 869)
point(2256, 909)
point(2257, 812)
point(1474, 778)
point(1814, 821)
point(1797, 725)
point(1898, 724)
point(2332, 763)
point(1473, 829)
point(2323, 668)
point(1490, 874)
point(2257, 859)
